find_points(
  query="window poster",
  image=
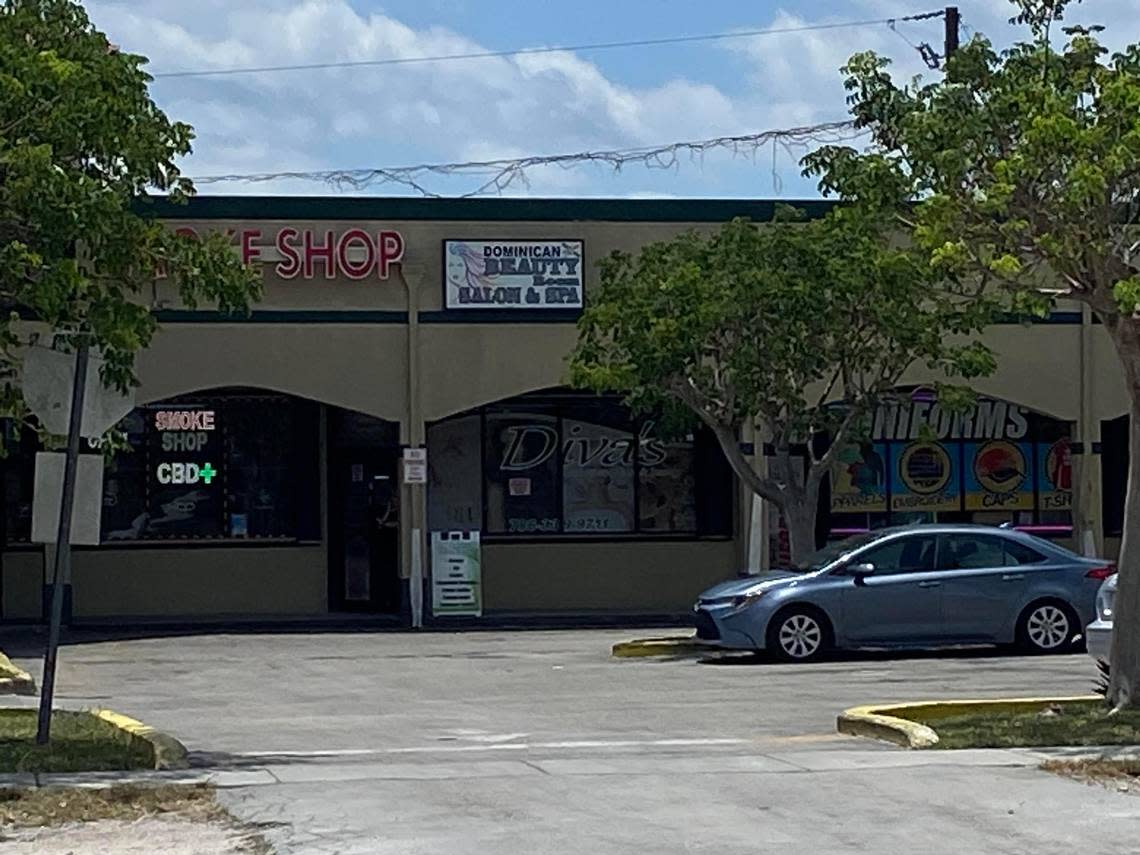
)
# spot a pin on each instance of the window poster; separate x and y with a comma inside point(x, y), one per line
point(925, 477)
point(859, 478)
point(1055, 475)
point(998, 475)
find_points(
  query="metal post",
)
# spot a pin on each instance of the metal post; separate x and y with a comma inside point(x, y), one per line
point(415, 440)
point(62, 543)
point(951, 20)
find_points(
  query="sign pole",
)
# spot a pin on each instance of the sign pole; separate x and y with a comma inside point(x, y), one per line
point(63, 543)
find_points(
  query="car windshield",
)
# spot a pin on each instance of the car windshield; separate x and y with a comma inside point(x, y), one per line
point(828, 554)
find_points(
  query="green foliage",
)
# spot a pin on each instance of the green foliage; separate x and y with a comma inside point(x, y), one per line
point(1018, 168)
point(774, 324)
point(81, 142)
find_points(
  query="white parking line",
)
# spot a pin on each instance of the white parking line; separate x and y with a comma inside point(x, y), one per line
point(513, 746)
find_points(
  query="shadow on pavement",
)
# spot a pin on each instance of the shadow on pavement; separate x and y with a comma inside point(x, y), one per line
point(730, 658)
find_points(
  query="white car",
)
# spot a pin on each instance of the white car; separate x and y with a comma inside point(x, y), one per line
point(1098, 634)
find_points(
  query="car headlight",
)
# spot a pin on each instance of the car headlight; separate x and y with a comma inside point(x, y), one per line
point(743, 601)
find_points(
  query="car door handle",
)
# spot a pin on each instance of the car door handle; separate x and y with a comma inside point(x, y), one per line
point(929, 584)
point(1012, 577)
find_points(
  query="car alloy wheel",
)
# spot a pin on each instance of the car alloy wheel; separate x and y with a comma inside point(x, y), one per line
point(1048, 627)
point(800, 636)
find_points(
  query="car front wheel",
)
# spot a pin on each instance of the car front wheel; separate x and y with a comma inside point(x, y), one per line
point(1047, 627)
point(798, 635)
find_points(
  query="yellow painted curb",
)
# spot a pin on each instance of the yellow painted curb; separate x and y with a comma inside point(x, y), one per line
point(168, 752)
point(908, 724)
point(14, 680)
point(677, 645)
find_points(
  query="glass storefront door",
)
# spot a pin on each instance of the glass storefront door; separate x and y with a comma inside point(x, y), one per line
point(365, 529)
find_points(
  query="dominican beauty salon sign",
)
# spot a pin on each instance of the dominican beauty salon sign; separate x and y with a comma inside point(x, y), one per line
point(513, 274)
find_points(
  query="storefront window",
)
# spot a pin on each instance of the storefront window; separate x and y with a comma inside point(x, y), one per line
point(996, 463)
point(576, 465)
point(18, 469)
point(667, 499)
point(125, 484)
point(522, 469)
point(597, 474)
point(239, 466)
point(455, 475)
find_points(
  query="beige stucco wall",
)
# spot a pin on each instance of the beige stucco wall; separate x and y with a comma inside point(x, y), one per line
point(357, 366)
point(23, 585)
point(205, 581)
point(362, 366)
point(620, 577)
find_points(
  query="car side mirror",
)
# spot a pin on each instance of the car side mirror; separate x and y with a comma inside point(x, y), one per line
point(861, 571)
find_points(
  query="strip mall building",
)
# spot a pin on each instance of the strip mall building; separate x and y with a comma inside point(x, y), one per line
point(395, 409)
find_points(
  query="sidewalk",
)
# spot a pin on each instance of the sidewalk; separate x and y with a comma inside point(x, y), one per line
point(508, 761)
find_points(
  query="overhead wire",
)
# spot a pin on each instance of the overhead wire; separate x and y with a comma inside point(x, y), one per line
point(596, 46)
point(500, 174)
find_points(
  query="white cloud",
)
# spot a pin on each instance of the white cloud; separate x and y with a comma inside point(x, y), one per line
point(486, 108)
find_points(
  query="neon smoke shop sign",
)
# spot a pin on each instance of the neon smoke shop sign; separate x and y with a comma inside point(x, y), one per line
point(294, 253)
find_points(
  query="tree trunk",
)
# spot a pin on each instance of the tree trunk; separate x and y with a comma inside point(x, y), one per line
point(1124, 686)
point(800, 515)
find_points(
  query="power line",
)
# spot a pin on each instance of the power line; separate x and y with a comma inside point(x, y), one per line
point(498, 175)
point(672, 40)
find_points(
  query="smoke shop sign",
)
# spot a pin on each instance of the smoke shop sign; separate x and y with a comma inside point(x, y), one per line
point(513, 274)
point(294, 253)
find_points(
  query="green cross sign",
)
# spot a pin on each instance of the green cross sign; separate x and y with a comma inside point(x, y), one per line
point(207, 473)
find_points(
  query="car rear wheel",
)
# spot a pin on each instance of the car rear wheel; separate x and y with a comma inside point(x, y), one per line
point(798, 634)
point(1047, 627)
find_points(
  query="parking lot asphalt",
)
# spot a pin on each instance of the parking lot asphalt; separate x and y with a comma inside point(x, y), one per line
point(541, 742)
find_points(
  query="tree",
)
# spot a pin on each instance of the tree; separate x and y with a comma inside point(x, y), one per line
point(1021, 169)
point(798, 328)
point(81, 143)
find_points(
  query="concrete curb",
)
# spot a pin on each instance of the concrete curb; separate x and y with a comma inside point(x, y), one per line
point(679, 645)
point(894, 722)
point(168, 752)
point(14, 680)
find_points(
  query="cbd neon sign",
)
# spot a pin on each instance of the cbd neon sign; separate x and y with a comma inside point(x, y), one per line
point(185, 473)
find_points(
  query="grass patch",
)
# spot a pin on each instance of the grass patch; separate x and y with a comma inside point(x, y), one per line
point(51, 806)
point(1124, 774)
point(80, 742)
point(1079, 723)
point(57, 805)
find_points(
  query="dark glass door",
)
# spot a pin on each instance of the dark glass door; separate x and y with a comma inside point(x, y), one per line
point(365, 524)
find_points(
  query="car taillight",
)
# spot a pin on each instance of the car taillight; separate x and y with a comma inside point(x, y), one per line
point(1101, 573)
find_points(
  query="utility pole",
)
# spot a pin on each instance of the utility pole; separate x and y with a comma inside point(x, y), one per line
point(63, 542)
point(951, 20)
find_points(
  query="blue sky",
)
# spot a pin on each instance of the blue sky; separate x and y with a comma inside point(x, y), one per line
point(537, 104)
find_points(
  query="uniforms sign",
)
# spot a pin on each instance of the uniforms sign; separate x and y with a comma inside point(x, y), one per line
point(513, 274)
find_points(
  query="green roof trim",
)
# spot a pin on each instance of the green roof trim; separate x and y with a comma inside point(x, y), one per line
point(474, 210)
